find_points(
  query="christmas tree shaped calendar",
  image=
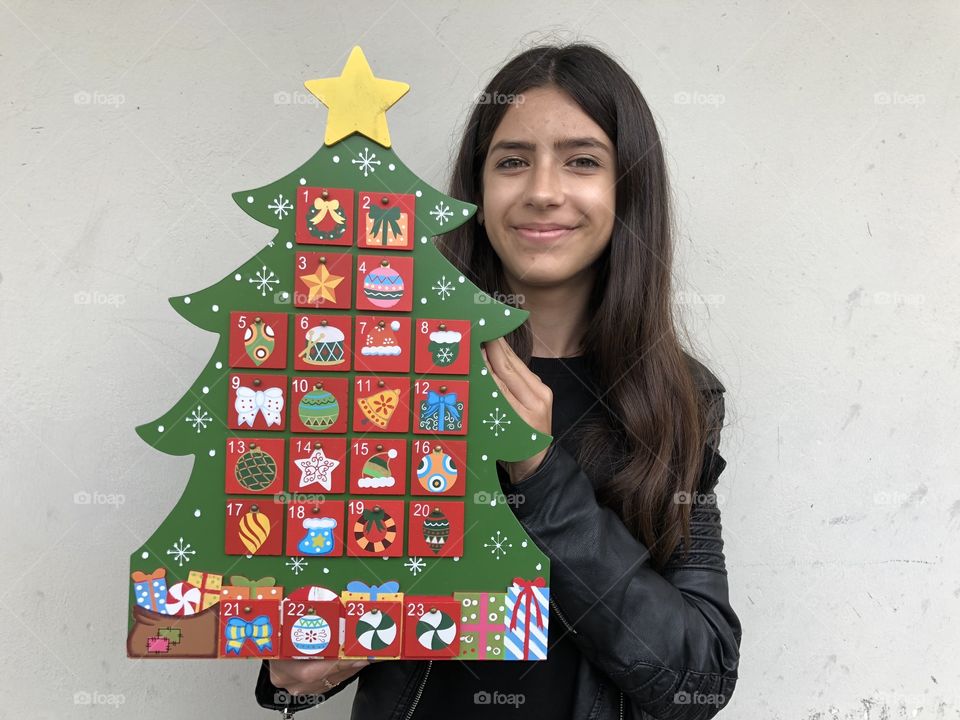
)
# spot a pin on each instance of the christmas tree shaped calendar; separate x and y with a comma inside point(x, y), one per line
point(344, 498)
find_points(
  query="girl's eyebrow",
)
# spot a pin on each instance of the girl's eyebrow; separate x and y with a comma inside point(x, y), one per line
point(561, 144)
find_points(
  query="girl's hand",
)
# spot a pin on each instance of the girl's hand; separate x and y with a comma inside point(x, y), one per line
point(532, 400)
point(312, 677)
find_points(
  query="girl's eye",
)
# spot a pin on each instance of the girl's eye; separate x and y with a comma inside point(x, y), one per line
point(588, 162)
point(507, 163)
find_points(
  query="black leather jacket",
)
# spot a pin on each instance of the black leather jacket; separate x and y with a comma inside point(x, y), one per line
point(655, 646)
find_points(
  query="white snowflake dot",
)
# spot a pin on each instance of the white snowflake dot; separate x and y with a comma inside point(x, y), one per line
point(507, 311)
point(494, 394)
point(186, 300)
point(238, 276)
point(481, 322)
point(215, 308)
point(461, 279)
point(205, 390)
point(336, 158)
point(419, 193)
point(523, 544)
point(493, 503)
point(465, 212)
point(326, 571)
point(159, 428)
point(483, 371)
point(212, 453)
point(533, 436)
point(289, 245)
point(248, 557)
point(303, 181)
point(391, 167)
point(219, 365)
point(539, 566)
point(484, 457)
point(284, 295)
point(423, 301)
point(249, 198)
point(144, 554)
point(196, 513)
point(423, 240)
point(456, 559)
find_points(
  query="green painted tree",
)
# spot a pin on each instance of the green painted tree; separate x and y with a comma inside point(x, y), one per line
point(352, 204)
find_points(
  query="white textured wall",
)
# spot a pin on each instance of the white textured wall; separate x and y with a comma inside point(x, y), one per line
point(815, 156)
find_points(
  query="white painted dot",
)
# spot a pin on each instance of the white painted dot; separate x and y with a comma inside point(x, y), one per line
point(326, 571)
point(212, 453)
point(144, 554)
point(284, 295)
point(423, 241)
point(523, 544)
point(336, 158)
point(249, 199)
point(289, 245)
point(507, 311)
point(483, 371)
point(186, 300)
point(423, 301)
point(456, 559)
point(533, 436)
point(205, 390)
point(465, 212)
point(159, 428)
point(303, 181)
point(248, 556)
point(391, 167)
point(219, 365)
point(461, 279)
point(494, 394)
point(493, 503)
point(419, 193)
point(484, 457)
point(481, 322)
point(238, 277)
point(215, 308)
point(196, 513)
point(539, 566)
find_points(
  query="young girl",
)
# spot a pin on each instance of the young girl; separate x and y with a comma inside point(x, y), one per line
point(574, 225)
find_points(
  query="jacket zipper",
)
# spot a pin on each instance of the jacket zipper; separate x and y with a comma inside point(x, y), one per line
point(621, 705)
point(423, 683)
point(562, 618)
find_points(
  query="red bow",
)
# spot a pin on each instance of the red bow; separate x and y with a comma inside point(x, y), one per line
point(527, 594)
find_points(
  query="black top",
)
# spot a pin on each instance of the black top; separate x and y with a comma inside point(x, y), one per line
point(454, 688)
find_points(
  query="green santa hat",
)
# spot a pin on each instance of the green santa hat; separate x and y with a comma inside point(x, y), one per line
point(376, 471)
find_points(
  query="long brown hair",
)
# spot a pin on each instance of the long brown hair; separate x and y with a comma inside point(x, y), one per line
point(652, 407)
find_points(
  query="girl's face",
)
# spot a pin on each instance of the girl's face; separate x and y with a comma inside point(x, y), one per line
point(548, 189)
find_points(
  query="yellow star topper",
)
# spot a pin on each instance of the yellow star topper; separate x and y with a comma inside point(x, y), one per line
point(357, 101)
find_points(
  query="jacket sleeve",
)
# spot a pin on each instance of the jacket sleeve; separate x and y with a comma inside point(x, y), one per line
point(273, 698)
point(670, 641)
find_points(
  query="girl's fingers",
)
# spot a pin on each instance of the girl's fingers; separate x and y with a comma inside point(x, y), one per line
point(514, 374)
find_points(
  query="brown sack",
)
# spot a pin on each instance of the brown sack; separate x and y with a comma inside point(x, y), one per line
point(155, 635)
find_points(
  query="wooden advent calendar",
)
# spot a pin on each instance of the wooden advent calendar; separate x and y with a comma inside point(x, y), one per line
point(344, 499)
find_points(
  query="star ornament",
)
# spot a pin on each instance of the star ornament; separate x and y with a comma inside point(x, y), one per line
point(357, 101)
point(317, 469)
point(322, 284)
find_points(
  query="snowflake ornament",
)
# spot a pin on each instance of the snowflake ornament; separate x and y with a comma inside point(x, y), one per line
point(441, 213)
point(415, 565)
point(443, 287)
point(297, 565)
point(264, 280)
point(366, 162)
point(181, 552)
point(199, 419)
point(498, 545)
point(281, 207)
point(497, 423)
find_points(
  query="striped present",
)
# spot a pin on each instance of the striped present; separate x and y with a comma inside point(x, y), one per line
point(528, 614)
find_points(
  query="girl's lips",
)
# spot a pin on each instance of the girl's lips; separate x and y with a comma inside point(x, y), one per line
point(541, 234)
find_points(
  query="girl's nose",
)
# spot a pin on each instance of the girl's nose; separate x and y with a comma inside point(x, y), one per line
point(544, 187)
